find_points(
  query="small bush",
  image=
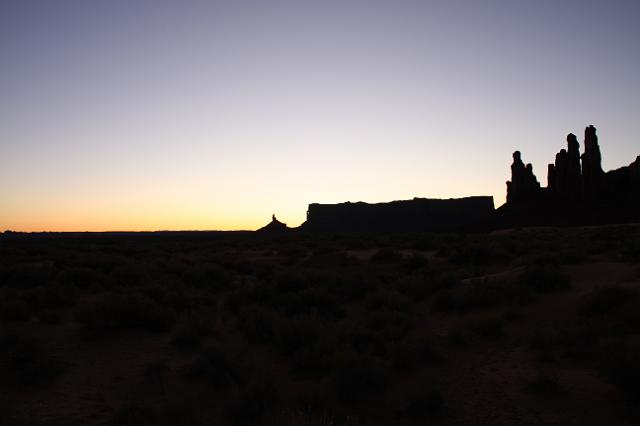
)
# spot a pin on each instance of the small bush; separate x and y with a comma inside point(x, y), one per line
point(605, 299)
point(218, 367)
point(490, 327)
point(16, 310)
point(424, 403)
point(415, 261)
point(386, 299)
point(414, 353)
point(480, 294)
point(257, 324)
point(316, 359)
point(165, 413)
point(125, 312)
point(252, 402)
point(27, 360)
point(50, 317)
point(357, 376)
point(621, 364)
point(545, 278)
point(543, 383)
point(190, 330)
point(384, 256)
point(295, 334)
point(458, 335)
point(365, 341)
point(392, 325)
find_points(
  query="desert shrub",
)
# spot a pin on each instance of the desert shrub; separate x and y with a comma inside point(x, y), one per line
point(330, 260)
point(295, 251)
point(489, 327)
point(458, 335)
point(351, 287)
point(543, 382)
point(357, 376)
point(289, 282)
point(15, 310)
point(424, 243)
point(125, 312)
point(383, 256)
point(102, 263)
point(630, 250)
point(257, 324)
point(308, 418)
point(317, 358)
point(259, 291)
point(155, 373)
point(10, 415)
point(418, 287)
point(296, 333)
point(446, 300)
point(319, 301)
point(81, 277)
point(148, 413)
point(624, 373)
point(218, 367)
point(252, 402)
point(544, 343)
point(386, 299)
point(414, 262)
point(423, 403)
point(477, 253)
point(27, 360)
point(53, 295)
point(130, 274)
point(50, 317)
point(393, 325)
point(605, 299)
point(25, 275)
point(191, 328)
point(480, 294)
point(413, 353)
point(365, 341)
point(630, 314)
point(175, 298)
point(211, 276)
point(545, 278)
point(574, 256)
point(289, 304)
point(580, 340)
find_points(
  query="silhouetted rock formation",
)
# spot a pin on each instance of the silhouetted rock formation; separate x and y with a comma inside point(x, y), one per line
point(523, 184)
point(274, 227)
point(591, 164)
point(564, 181)
point(578, 190)
point(419, 214)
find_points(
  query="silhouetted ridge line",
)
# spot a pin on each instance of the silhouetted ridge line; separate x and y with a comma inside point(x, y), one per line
point(578, 190)
point(419, 214)
point(274, 227)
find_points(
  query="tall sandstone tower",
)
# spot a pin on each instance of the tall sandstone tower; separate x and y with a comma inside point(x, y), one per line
point(572, 177)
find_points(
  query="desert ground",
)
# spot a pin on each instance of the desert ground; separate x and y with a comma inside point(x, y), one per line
point(532, 326)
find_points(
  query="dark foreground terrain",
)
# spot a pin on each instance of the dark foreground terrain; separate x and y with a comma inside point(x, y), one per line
point(528, 326)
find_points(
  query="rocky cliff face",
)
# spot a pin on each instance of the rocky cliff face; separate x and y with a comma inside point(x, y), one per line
point(573, 176)
point(419, 214)
point(274, 227)
point(578, 190)
point(523, 184)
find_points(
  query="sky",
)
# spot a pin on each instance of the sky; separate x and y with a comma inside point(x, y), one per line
point(200, 115)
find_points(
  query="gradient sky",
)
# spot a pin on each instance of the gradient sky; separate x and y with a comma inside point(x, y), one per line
point(148, 115)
